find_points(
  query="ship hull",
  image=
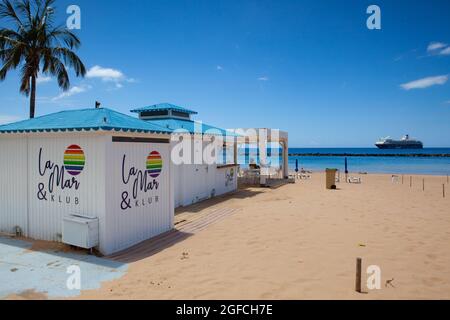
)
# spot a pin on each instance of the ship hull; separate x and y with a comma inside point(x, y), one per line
point(400, 146)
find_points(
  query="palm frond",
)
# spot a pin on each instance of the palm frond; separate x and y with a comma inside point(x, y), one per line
point(36, 42)
point(55, 67)
point(8, 11)
point(64, 36)
point(10, 38)
point(70, 58)
point(24, 7)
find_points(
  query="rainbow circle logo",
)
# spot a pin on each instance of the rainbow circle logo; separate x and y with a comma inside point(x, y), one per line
point(74, 160)
point(154, 164)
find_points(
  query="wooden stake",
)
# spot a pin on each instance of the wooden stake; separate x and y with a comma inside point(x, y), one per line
point(410, 181)
point(443, 190)
point(423, 184)
point(358, 275)
point(402, 179)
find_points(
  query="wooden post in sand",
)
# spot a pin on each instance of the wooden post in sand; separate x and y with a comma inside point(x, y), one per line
point(423, 184)
point(443, 190)
point(358, 275)
point(402, 179)
point(410, 181)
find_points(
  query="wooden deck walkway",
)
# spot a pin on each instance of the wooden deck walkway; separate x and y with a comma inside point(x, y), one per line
point(186, 225)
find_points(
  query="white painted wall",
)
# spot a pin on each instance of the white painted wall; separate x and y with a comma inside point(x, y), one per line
point(99, 194)
point(126, 226)
point(13, 184)
point(46, 215)
point(194, 183)
point(226, 179)
point(24, 174)
point(197, 182)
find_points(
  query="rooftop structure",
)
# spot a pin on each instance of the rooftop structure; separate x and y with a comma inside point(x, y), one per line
point(84, 120)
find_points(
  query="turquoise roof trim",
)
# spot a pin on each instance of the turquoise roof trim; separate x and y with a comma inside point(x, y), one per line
point(84, 119)
point(162, 107)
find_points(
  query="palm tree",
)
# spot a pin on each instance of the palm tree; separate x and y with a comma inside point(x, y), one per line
point(36, 46)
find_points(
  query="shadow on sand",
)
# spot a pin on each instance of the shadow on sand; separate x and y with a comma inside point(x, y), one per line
point(141, 250)
point(242, 193)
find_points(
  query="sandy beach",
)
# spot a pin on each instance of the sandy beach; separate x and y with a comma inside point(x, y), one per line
point(300, 241)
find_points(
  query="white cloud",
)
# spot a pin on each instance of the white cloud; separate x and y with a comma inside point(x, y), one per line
point(4, 119)
point(433, 46)
point(425, 82)
point(263, 78)
point(106, 74)
point(72, 91)
point(438, 48)
point(220, 68)
point(445, 52)
point(43, 79)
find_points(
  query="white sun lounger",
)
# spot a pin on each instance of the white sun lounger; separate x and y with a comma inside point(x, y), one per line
point(354, 180)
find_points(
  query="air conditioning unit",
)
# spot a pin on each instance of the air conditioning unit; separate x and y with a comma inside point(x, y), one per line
point(80, 231)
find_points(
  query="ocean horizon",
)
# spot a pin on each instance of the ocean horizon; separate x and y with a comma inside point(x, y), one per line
point(318, 159)
point(374, 164)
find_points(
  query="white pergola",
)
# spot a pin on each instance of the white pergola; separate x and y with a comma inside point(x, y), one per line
point(262, 137)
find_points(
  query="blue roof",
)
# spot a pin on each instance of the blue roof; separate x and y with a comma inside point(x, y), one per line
point(188, 125)
point(162, 107)
point(84, 119)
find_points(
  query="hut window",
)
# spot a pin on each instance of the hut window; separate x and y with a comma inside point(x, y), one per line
point(140, 140)
point(180, 114)
point(154, 113)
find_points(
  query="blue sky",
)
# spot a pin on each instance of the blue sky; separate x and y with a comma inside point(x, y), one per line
point(311, 68)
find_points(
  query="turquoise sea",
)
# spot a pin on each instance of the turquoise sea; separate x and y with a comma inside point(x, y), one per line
point(370, 164)
point(411, 165)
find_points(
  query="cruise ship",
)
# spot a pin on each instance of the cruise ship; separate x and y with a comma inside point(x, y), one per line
point(404, 143)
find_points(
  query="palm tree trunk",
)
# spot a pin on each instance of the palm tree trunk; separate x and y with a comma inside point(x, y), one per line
point(33, 97)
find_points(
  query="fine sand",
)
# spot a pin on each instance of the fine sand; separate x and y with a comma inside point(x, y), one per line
point(301, 241)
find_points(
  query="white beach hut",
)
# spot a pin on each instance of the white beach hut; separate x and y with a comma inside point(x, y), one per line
point(91, 178)
point(197, 180)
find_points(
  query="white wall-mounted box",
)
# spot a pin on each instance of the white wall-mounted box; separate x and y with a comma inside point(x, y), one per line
point(80, 231)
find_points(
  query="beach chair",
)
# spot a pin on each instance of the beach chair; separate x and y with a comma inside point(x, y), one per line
point(354, 180)
point(304, 176)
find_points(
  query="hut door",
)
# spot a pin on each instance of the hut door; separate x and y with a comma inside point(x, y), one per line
point(201, 181)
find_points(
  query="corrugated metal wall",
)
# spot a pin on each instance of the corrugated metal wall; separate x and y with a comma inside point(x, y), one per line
point(39, 212)
point(196, 182)
point(13, 184)
point(226, 179)
point(131, 220)
point(46, 211)
point(31, 194)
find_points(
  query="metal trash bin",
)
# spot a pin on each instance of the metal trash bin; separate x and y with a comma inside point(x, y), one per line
point(330, 178)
